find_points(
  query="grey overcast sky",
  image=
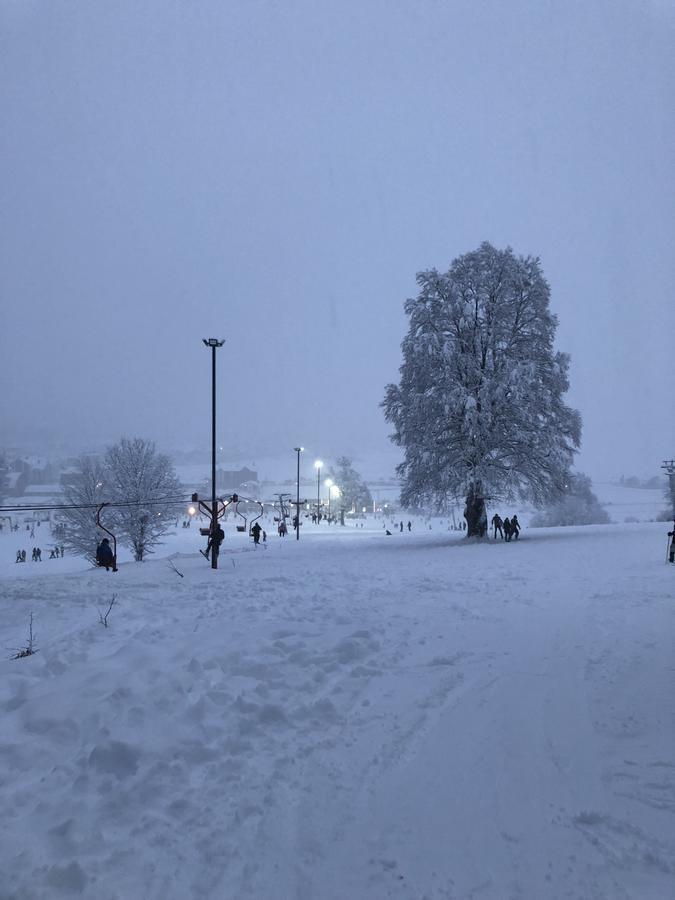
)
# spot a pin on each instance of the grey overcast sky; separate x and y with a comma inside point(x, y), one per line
point(275, 173)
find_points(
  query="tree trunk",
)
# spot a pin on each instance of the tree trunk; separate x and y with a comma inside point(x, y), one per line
point(475, 513)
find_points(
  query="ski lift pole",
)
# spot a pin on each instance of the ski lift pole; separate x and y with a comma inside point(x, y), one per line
point(107, 531)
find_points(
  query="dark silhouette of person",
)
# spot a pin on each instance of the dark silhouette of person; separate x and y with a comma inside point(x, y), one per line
point(215, 540)
point(409, 525)
point(671, 551)
point(507, 529)
point(497, 525)
point(104, 555)
point(515, 527)
point(255, 531)
point(401, 526)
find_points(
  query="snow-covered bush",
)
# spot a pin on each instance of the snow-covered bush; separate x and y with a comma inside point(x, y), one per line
point(579, 506)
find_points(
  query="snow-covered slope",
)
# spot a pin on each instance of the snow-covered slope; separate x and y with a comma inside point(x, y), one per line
point(348, 716)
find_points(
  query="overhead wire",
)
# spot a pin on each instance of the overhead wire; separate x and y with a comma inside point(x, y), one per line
point(119, 505)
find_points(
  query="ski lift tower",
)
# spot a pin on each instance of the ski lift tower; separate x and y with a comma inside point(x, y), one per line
point(282, 506)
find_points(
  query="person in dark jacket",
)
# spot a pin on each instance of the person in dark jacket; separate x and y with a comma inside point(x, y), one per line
point(507, 529)
point(497, 525)
point(215, 540)
point(104, 555)
point(255, 531)
point(515, 527)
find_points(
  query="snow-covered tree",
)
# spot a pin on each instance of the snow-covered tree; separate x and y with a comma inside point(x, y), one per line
point(145, 489)
point(578, 506)
point(80, 533)
point(479, 407)
point(142, 489)
point(354, 492)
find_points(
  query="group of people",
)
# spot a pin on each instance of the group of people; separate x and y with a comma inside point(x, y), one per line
point(507, 528)
point(36, 555)
point(256, 532)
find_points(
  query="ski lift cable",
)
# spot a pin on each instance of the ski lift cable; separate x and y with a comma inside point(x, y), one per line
point(56, 507)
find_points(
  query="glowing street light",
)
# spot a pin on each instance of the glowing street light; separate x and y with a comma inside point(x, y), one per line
point(330, 484)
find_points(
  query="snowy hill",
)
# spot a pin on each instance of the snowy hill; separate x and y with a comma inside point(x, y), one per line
point(347, 716)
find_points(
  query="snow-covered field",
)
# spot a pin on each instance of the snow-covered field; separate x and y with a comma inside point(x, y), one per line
point(348, 716)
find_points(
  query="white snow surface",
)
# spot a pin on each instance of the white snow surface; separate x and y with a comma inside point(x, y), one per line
point(348, 716)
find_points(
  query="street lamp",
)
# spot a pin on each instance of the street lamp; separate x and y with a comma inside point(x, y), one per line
point(318, 465)
point(213, 343)
point(336, 492)
point(329, 483)
point(298, 450)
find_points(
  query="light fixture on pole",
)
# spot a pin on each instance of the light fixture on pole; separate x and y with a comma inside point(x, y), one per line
point(318, 465)
point(213, 343)
point(298, 450)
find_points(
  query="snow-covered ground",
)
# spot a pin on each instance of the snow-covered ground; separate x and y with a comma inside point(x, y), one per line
point(348, 716)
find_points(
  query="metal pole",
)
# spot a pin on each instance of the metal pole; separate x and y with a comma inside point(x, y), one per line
point(297, 505)
point(213, 343)
point(318, 493)
point(214, 519)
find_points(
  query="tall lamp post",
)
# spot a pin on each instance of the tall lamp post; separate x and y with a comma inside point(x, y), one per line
point(213, 343)
point(334, 492)
point(298, 450)
point(318, 465)
point(329, 484)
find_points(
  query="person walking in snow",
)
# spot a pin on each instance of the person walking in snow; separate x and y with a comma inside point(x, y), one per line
point(409, 526)
point(19, 556)
point(255, 531)
point(515, 526)
point(497, 525)
point(671, 551)
point(507, 529)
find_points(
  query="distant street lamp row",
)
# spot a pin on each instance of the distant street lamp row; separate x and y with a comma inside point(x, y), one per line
point(333, 490)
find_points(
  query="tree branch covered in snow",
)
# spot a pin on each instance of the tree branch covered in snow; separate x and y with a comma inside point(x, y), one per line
point(80, 532)
point(578, 506)
point(136, 474)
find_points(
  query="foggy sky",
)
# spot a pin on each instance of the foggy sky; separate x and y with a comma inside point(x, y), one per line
point(275, 173)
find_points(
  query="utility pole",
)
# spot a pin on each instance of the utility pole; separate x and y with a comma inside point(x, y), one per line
point(298, 450)
point(668, 467)
point(213, 343)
